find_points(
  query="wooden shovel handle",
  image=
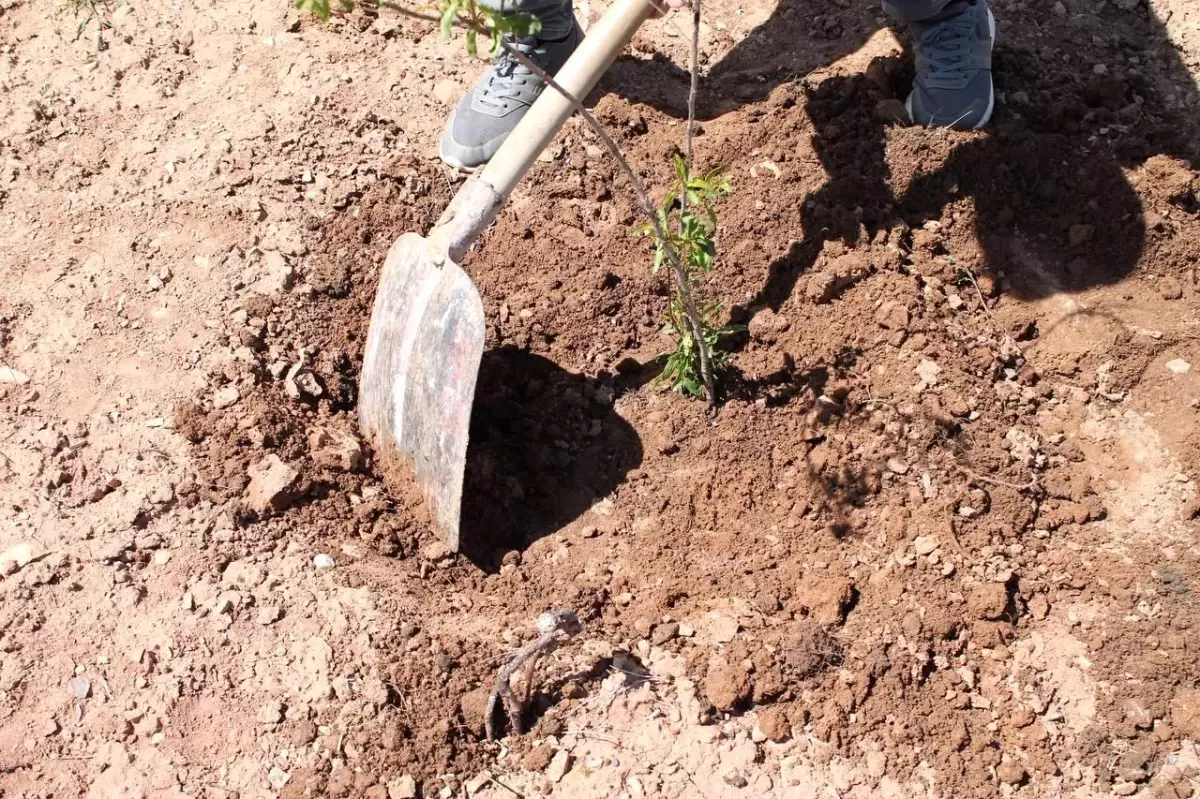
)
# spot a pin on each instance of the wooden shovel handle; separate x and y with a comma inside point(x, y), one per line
point(604, 42)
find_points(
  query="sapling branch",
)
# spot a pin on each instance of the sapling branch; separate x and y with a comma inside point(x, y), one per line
point(694, 318)
point(694, 87)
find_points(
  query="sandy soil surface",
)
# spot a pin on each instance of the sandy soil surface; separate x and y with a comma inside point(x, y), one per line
point(941, 540)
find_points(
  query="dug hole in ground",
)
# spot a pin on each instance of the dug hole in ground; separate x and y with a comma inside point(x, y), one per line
point(940, 542)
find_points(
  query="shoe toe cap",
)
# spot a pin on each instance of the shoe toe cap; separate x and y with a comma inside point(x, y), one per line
point(962, 109)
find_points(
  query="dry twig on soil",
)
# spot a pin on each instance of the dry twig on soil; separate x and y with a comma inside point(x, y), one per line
point(555, 627)
point(1032, 485)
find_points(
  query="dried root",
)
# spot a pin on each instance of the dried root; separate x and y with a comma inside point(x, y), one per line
point(555, 627)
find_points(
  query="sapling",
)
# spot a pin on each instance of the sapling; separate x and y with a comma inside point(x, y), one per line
point(476, 20)
point(688, 215)
point(473, 18)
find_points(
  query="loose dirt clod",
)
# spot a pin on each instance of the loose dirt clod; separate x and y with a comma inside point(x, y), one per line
point(271, 481)
point(988, 601)
point(727, 686)
point(774, 723)
point(826, 601)
point(403, 787)
point(1011, 773)
point(1185, 713)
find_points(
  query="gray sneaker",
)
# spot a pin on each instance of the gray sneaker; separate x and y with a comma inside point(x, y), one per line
point(953, 51)
point(488, 113)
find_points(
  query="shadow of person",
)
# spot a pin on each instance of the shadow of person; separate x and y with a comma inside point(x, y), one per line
point(799, 37)
point(856, 198)
point(545, 446)
point(1054, 207)
point(1084, 98)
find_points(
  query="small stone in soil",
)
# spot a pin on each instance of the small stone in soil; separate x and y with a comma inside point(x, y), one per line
point(897, 465)
point(724, 629)
point(323, 561)
point(734, 779)
point(271, 713)
point(436, 551)
point(335, 449)
point(278, 778)
point(560, 764)
point(477, 783)
point(268, 614)
point(270, 482)
point(767, 324)
point(308, 384)
point(224, 397)
point(821, 287)
point(929, 372)
point(1010, 773)
point(663, 633)
point(81, 687)
point(925, 544)
point(589, 532)
point(403, 787)
point(1178, 366)
point(162, 557)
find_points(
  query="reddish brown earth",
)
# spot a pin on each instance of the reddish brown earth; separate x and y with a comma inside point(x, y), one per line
point(940, 539)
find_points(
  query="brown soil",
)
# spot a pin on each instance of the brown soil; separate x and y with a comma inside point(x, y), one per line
point(939, 539)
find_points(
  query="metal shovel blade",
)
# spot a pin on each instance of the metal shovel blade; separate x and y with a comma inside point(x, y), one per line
point(422, 358)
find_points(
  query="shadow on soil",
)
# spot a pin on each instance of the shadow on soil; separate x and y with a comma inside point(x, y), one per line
point(545, 446)
point(1054, 209)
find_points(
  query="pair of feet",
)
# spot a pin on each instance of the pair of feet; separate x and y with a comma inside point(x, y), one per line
point(953, 87)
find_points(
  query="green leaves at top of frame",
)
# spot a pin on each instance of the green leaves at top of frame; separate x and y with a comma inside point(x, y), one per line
point(451, 13)
point(702, 191)
point(477, 19)
point(322, 8)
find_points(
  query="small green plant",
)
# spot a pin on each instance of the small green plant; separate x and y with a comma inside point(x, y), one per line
point(86, 12)
point(467, 14)
point(688, 217)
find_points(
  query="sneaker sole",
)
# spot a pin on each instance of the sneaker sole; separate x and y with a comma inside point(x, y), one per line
point(987, 115)
point(450, 160)
point(455, 164)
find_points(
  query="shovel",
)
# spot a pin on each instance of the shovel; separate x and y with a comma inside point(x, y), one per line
point(425, 341)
